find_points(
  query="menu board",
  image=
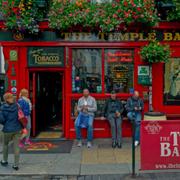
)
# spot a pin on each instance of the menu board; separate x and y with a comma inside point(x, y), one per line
point(119, 75)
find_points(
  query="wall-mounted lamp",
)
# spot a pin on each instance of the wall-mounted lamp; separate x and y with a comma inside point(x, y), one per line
point(164, 7)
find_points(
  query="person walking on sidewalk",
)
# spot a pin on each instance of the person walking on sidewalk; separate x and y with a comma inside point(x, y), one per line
point(113, 110)
point(26, 106)
point(86, 108)
point(11, 129)
point(135, 107)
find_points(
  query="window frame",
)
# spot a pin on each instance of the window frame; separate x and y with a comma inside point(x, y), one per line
point(101, 94)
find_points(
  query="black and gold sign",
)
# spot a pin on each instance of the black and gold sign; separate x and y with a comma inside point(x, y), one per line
point(45, 56)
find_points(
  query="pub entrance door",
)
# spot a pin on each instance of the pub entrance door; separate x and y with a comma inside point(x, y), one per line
point(46, 91)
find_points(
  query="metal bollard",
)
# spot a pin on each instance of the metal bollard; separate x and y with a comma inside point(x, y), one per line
point(133, 148)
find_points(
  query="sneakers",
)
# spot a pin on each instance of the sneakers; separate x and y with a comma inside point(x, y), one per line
point(21, 145)
point(28, 142)
point(113, 144)
point(136, 143)
point(15, 168)
point(79, 144)
point(4, 163)
point(119, 144)
point(89, 145)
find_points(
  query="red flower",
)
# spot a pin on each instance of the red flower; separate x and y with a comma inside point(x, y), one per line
point(118, 10)
point(125, 3)
point(113, 5)
point(138, 9)
point(115, 16)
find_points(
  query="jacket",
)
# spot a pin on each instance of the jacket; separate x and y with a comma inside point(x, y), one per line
point(91, 102)
point(9, 118)
point(113, 106)
point(25, 106)
point(134, 102)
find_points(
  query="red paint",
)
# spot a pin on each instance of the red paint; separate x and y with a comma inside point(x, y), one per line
point(101, 128)
point(160, 145)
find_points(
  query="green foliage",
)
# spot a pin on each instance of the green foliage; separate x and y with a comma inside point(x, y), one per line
point(22, 15)
point(107, 17)
point(155, 52)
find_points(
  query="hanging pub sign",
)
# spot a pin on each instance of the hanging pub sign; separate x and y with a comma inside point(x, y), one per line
point(144, 75)
point(45, 56)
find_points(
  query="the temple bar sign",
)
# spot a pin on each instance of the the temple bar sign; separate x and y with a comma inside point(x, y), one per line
point(45, 56)
point(129, 36)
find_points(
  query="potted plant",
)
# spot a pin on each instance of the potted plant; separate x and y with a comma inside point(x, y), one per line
point(155, 52)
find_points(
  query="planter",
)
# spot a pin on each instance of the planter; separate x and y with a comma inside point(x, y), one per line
point(154, 116)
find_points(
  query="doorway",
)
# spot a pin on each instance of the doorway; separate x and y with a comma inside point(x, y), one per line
point(46, 91)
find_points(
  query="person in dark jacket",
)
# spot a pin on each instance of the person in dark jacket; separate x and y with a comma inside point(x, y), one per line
point(113, 110)
point(134, 107)
point(11, 128)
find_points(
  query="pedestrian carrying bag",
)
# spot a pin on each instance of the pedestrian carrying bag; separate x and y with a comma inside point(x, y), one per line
point(21, 117)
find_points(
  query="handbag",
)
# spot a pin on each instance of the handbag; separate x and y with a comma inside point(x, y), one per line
point(21, 117)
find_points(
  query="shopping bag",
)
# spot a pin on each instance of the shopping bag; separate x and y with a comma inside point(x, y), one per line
point(82, 120)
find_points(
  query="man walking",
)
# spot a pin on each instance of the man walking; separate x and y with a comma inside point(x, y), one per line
point(113, 110)
point(134, 107)
point(86, 107)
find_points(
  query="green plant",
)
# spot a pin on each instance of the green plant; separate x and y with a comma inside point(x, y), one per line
point(107, 17)
point(155, 52)
point(22, 15)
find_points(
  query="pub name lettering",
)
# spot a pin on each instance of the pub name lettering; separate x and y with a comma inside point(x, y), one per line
point(132, 36)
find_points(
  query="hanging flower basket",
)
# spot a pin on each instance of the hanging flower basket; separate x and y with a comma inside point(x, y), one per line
point(65, 14)
point(21, 15)
point(155, 52)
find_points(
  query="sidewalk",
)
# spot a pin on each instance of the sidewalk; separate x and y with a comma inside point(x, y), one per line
point(100, 160)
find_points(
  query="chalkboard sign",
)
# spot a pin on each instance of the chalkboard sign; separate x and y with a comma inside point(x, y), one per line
point(46, 56)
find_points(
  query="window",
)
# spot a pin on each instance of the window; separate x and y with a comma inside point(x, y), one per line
point(86, 70)
point(172, 82)
point(119, 70)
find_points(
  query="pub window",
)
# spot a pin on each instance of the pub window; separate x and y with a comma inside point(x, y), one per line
point(119, 70)
point(86, 70)
point(172, 82)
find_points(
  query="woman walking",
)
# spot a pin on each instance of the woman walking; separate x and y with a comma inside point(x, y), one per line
point(11, 128)
point(26, 106)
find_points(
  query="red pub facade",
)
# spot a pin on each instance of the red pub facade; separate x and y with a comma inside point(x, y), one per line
point(55, 67)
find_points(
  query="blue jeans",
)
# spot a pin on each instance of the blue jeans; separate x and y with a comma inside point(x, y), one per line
point(89, 130)
point(137, 117)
